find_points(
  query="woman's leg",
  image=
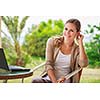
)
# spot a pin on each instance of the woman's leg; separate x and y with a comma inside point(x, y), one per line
point(40, 80)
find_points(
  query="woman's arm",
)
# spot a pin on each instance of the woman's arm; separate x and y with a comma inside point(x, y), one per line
point(50, 60)
point(52, 76)
point(83, 59)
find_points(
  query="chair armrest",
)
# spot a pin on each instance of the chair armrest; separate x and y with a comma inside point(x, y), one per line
point(39, 66)
point(73, 73)
point(67, 76)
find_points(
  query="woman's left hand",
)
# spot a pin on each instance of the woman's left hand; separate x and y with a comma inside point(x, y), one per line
point(80, 38)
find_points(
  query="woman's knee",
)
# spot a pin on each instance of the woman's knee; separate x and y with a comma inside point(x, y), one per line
point(40, 80)
point(37, 80)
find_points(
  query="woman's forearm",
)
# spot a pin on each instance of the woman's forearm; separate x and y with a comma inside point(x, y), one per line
point(52, 76)
point(82, 55)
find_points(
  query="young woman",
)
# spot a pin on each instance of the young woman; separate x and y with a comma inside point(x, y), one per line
point(63, 55)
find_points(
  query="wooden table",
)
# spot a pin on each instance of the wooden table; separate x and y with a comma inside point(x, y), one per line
point(16, 75)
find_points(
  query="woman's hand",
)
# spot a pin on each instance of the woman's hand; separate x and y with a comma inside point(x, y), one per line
point(61, 80)
point(80, 39)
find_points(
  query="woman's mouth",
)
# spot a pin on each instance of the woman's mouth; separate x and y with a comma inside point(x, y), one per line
point(69, 36)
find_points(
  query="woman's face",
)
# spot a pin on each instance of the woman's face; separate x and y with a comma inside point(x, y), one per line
point(70, 31)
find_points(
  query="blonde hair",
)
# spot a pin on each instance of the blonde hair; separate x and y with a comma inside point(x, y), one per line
point(58, 40)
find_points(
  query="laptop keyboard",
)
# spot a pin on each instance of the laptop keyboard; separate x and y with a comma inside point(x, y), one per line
point(18, 68)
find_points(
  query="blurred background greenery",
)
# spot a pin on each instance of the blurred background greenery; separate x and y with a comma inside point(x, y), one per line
point(32, 51)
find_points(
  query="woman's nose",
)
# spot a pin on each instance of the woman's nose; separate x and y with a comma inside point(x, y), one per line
point(68, 32)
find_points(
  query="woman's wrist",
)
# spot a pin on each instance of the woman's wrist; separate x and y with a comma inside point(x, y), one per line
point(54, 81)
point(80, 43)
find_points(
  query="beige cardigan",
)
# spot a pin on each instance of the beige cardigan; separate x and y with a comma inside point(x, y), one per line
point(51, 54)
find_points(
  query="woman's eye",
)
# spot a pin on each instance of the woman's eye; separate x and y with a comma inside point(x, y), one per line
point(71, 31)
point(66, 29)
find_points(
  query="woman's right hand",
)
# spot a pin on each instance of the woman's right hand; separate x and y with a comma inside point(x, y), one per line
point(61, 80)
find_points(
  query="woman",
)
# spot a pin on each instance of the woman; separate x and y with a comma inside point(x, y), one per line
point(63, 55)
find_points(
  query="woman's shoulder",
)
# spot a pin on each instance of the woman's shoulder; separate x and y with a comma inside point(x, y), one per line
point(50, 40)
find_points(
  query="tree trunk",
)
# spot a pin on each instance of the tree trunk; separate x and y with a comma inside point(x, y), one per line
point(19, 60)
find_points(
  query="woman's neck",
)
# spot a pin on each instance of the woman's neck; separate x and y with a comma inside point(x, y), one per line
point(66, 48)
point(68, 44)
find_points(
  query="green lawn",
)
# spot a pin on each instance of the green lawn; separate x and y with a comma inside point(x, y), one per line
point(90, 75)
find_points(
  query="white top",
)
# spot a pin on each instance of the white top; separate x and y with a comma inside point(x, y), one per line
point(62, 60)
point(62, 65)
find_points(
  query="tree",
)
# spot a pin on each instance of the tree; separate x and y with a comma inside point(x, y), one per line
point(15, 28)
point(35, 41)
point(93, 47)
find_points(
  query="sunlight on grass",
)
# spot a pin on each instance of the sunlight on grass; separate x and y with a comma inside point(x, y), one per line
point(90, 76)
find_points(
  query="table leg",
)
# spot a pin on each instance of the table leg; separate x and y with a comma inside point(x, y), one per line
point(22, 80)
point(4, 81)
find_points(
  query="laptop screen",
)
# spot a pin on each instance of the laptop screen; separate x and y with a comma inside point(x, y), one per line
point(3, 62)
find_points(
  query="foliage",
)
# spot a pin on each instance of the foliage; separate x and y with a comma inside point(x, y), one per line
point(9, 51)
point(26, 58)
point(11, 54)
point(93, 47)
point(15, 28)
point(35, 41)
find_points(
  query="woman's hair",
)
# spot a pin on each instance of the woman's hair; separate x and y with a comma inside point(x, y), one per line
point(76, 22)
point(58, 40)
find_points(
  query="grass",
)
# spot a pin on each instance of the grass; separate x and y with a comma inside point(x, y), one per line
point(90, 76)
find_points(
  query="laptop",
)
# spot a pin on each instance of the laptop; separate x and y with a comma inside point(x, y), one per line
point(4, 64)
